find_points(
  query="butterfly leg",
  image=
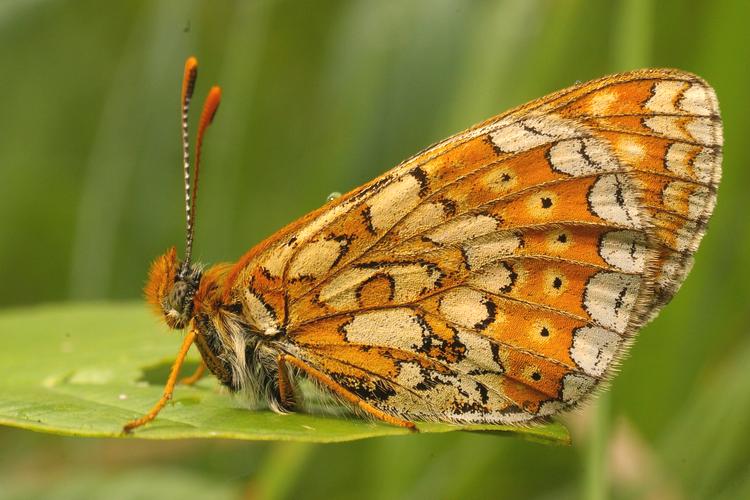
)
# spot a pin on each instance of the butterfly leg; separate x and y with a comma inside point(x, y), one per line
point(168, 388)
point(196, 376)
point(286, 391)
point(338, 389)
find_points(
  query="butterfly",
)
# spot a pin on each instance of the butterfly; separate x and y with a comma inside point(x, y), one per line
point(497, 276)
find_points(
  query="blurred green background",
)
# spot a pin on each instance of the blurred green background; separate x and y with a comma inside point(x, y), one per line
point(320, 96)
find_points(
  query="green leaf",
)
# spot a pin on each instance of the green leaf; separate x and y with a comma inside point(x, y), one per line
point(85, 370)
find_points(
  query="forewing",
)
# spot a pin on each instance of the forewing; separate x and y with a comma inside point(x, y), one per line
point(498, 275)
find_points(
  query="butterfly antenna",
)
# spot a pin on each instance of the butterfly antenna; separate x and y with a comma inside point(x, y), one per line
point(210, 106)
point(207, 115)
point(188, 85)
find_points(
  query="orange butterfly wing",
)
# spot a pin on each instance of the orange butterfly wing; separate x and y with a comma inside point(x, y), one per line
point(498, 275)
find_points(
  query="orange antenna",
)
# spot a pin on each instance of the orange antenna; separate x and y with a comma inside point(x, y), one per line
point(188, 85)
point(210, 106)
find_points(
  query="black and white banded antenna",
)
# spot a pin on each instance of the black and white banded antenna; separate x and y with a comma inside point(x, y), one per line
point(209, 110)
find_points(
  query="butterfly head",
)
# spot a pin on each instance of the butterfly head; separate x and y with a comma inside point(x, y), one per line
point(171, 289)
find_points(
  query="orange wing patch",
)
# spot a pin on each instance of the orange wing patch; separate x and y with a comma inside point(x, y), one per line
point(499, 275)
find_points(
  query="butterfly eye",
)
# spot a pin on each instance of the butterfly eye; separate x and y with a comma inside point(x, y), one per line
point(177, 295)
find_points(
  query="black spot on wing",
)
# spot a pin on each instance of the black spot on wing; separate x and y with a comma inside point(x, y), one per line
point(483, 392)
point(367, 217)
point(619, 300)
point(449, 207)
point(513, 277)
point(421, 177)
point(491, 314)
point(266, 273)
point(344, 241)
